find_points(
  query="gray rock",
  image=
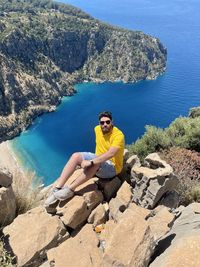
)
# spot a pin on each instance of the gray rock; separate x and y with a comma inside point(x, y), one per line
point(7, 206)
point(5, 178)
point(152, 184)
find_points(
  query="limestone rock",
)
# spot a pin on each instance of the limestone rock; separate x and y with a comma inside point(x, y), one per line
point(31, 234)
point(76, 210)
point(109, 188)
point(132, 161)
point(131, 243)
point(81, 250)
point(5, 178)
point(7, 206)
point(98, 215)
point(181, 246)
point(160, 223)
point(152, 184)
point(118, 204)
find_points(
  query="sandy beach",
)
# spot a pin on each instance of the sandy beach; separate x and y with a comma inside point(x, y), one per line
point(8, 159)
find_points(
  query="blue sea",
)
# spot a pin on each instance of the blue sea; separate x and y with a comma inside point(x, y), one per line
point(48, 143)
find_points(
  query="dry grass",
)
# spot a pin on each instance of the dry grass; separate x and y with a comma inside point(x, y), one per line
point(186, 165)
point(27, 188)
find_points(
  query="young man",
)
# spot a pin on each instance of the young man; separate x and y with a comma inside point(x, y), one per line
point(107, 161)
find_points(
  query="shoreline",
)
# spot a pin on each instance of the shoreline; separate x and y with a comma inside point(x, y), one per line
point(8, 159)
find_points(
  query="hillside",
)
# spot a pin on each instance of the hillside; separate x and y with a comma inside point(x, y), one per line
point(47, 47)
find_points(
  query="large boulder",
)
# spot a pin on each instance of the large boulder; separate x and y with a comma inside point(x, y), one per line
point(80, 250)
point(98, 215)
point(118, 204)
point(181, 246)
point(7, 205)
point(152, 182)
point(131, 243)
point(5, 178)
point(76, 210)
point(31, 234)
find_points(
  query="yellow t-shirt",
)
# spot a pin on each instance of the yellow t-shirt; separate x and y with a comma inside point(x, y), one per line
point(113, 139)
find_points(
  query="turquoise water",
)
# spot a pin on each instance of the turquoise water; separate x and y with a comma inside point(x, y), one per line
point(48, 143)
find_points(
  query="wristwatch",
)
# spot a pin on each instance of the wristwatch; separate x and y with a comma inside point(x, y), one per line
point(92, 162)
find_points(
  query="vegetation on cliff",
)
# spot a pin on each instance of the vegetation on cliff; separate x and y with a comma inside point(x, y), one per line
point(182, 132)
point(47, 47)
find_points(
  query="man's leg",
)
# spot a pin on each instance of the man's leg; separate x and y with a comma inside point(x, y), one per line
point(69, 168)
point(84, 177)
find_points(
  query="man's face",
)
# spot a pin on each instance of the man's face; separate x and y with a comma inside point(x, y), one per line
point(106, 124)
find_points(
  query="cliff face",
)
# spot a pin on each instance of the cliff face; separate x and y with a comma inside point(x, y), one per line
point(46, 47)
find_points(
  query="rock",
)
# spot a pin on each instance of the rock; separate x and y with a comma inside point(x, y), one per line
point(132, 161)
point(183, 239)
point(106, 233)
point(81, 250)
point(31, 234)
point(131, 243)
point(161, 222)
point(87, 197)
point(98, 215)
point(118, 204)
point(109, 188)
point(152, 184)
point(7, 206)
point(5, 178)
point(170, 199)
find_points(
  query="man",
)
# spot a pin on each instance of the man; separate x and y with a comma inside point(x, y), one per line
point(107, 161)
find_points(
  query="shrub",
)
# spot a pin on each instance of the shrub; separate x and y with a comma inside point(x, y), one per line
point(186, 165)
point(182, 132)
point(26, 187)
point(194, 112)
point(155, 139)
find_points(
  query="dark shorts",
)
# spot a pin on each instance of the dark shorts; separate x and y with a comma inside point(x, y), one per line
point(107, 168)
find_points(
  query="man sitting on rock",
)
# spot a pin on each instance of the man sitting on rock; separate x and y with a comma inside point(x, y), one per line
point(107, 161)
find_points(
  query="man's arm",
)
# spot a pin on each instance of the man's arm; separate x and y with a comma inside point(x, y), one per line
point(101, 158)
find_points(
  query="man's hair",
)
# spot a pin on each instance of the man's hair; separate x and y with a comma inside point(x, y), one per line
point(107, 114)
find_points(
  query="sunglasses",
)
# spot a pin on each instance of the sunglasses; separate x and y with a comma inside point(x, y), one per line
point(103, 122)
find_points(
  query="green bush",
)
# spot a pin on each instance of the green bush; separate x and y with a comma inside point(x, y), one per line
point(194, 112)
point(182, 132)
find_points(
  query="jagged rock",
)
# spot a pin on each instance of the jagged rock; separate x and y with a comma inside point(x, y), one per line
point(98, 215)
point(7, 205)
point(5, 178)
point(161, 222)
point(181, 246)
point(131, 243)
point(31, 234)
point(132, 161)
point(87, 197)
point(118, 204)
point(81, 250)
point(152, 184)
point(109, 188)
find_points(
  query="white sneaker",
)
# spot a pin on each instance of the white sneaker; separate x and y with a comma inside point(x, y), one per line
point(64, 193)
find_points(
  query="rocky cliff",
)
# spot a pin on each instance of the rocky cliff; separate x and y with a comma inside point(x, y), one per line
point(47, 47)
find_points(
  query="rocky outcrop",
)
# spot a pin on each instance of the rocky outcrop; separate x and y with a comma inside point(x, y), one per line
point(7, 198)
point(88, 230)
point(152, 182)
point(45, 48)
point(181, 246)
point(31, 234)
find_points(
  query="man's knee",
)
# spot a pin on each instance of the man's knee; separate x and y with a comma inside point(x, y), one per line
point(77, 157)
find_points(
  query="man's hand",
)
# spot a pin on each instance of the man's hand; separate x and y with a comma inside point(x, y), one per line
point(85, 164)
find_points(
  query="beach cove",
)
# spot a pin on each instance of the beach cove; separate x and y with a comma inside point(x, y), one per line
point(47, 144)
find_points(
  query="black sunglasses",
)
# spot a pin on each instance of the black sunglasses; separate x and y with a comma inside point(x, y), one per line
point(103, 122)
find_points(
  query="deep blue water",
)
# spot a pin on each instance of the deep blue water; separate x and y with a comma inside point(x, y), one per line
point(48, 143)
